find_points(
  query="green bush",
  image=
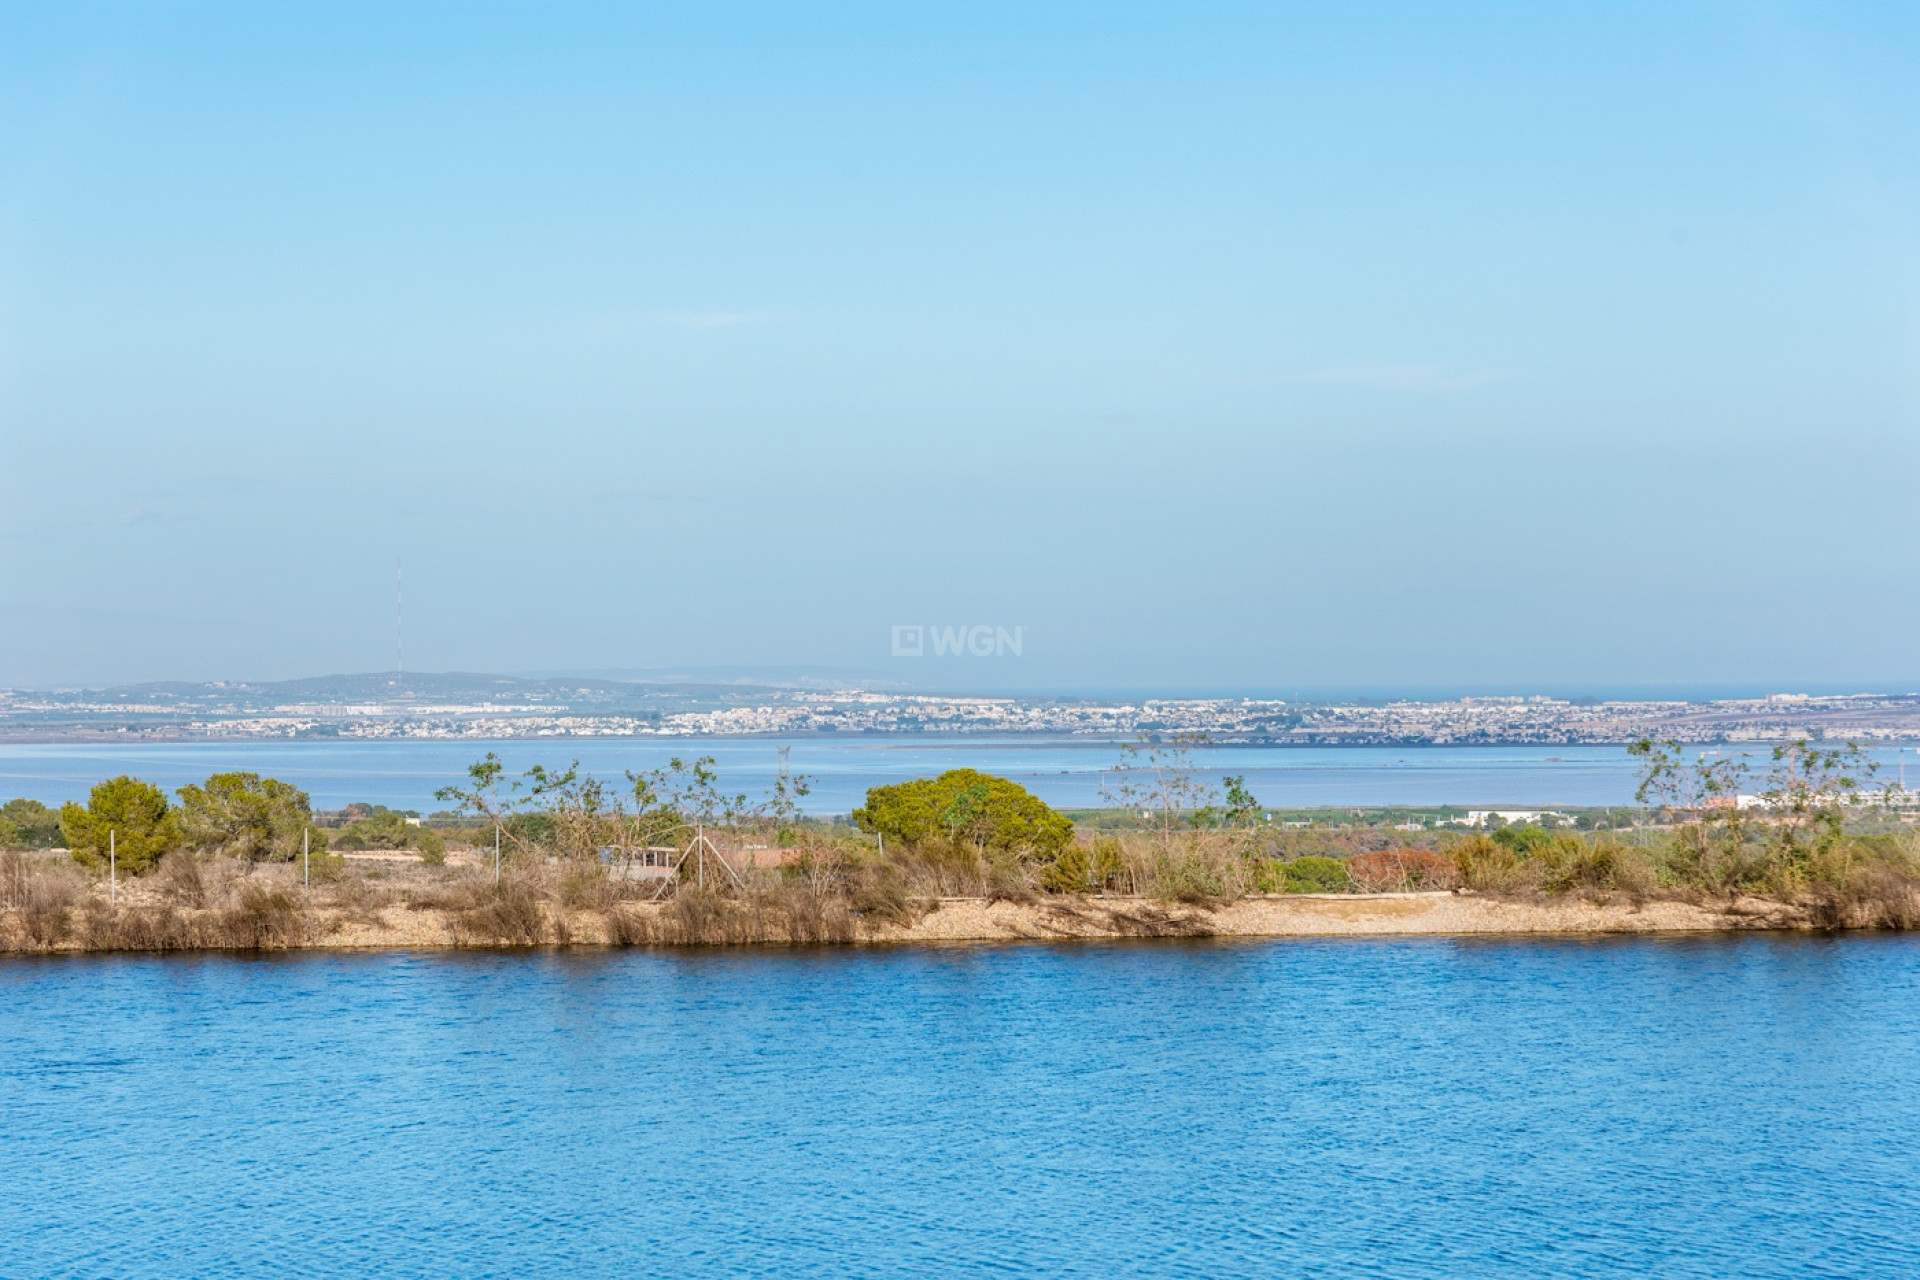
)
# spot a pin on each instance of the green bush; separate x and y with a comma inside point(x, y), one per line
point(320, 866)
point(28, 824)
point(131, 815)
point(1109, 859)
point(1523, 840)
point(536, 830)
point(1189, 876)
point(1314, 874)
point(970, 806)
point(383, 828)
point(1484, 864)
point(1595, 864)
point(243, 815)
point(1068, 873)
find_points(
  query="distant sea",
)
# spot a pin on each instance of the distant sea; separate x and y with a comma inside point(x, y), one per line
point(404, 775)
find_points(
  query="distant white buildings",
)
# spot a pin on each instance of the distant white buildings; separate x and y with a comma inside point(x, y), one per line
point(1480, 817)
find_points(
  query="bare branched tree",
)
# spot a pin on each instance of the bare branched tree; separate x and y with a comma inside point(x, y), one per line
point(1157, 777)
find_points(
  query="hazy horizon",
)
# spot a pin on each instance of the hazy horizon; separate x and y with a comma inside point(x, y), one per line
point(1207, 347)
point(846, 678)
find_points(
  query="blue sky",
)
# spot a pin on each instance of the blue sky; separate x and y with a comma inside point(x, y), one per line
point(1218, 347)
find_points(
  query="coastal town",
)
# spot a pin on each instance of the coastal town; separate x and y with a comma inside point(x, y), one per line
point(429, 708)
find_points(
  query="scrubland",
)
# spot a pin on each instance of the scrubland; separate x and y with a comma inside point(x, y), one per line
point(831, 886)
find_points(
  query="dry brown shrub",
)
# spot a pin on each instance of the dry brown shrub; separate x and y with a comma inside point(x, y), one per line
point(627, 927)
point(13, 879)
point(1402, 870)
point(260, 918)
point(1595, 866)
point(223, 876)
point(451, 895)
point(1872, 897)
point(589, 887)
point(693, 916)
point(703, 916)
point(879, 892)
point(1194, 875)
point(941, 868)
point(155, 926)
point(42, 896)
point(806, 916)
point(507, 914)
point(1008, 880)
point(1486, 866)
point(180, 880)
point(359, 900)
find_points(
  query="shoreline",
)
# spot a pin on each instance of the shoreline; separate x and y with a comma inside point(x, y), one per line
point(1437, 914)
point(1329, 915)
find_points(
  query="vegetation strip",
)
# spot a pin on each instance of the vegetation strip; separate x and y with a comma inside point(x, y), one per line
point(557, 857)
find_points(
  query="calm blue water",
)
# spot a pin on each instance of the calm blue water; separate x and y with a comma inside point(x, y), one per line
point(1425, 1107)
point(404, 775)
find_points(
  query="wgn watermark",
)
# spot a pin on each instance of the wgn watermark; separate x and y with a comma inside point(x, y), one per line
point(911, 641)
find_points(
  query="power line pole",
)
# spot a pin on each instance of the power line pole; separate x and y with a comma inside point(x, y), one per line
point(399, 625)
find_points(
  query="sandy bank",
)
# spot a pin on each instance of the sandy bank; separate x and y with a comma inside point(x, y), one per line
point(1318, 916)
point(957, 920)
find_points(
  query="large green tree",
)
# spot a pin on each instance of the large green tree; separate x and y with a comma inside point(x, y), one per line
point(970, 806)
point(378, 827)
point(243, 815)
point(133, 813)
point(29, 825)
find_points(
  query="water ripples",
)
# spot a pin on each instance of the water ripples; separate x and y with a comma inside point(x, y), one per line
point(1686, 1107)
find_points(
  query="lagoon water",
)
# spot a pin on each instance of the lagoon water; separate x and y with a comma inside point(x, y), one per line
point(405, 774)
point(1698, 1106)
